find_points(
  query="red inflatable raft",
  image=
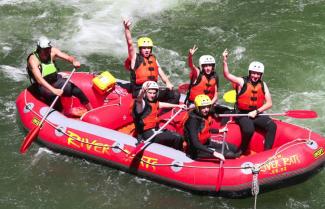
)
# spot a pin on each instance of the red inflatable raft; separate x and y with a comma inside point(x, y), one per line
point(101, 135)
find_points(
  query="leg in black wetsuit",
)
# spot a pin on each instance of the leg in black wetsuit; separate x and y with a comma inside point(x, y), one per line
point(69, 90)
point(166, 137)
point(247, 127)
point(229, 151)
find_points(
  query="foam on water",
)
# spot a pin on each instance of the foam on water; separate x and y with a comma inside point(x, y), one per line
point(299, 100)
point(172, 64)
point(16, 74)
point(8, 111)
point(6, 2)
point(100, 27)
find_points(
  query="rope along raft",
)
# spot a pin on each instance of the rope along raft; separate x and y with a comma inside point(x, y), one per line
point(255, 168)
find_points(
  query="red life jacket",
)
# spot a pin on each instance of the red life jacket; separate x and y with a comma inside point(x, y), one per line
point(148, 119)
point(203, 85)
point(251, 97)
point(146, 69)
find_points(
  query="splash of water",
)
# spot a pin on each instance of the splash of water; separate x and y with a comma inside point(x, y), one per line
point(100, 27)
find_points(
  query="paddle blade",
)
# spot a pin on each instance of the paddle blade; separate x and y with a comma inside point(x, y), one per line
point(230, 96)
point(301, 114)
point(137, 149)
point(31, 136)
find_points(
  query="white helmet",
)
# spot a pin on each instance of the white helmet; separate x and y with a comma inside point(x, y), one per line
point(206, 59)
point(43, 42)
point(151, 85)
point(256, 67)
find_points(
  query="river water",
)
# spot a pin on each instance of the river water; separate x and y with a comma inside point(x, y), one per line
point(288, 36)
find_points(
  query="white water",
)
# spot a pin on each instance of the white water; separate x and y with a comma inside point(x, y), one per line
point(16, 74)
point(99, 24)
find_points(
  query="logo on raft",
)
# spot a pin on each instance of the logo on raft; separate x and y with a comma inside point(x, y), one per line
point(318, 153)
point(36, 121)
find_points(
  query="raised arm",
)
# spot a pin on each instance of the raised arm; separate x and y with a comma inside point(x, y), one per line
point(129, 42)
point(215, 97)
point(139, 102)
point(194, 70)
point(164, 78)
point(232, 78)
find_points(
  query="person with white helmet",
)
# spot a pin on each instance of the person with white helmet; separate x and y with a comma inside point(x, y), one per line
point(44, 75)
point(145, 115)
point(253, 98)
point(203, 79)
point(144, 66)
point(197, 132)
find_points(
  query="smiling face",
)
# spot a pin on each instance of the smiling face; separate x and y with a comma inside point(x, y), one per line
point(151, 94)
point(204, 110)
point(254, 76)
point(208, 68)
point(145, 51)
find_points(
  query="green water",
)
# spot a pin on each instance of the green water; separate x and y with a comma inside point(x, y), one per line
point(288, 36)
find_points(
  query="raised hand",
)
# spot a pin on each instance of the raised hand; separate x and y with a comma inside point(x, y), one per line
point(193, 50)
point(127, 23)
point(225, 54)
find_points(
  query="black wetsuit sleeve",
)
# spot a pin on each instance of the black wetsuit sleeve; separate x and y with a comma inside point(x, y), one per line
point(192, 126)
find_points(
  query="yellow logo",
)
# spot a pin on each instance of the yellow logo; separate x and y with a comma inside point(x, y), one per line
point(280, 164)
point(93, 145)
point(36, 121)
point(319, 153)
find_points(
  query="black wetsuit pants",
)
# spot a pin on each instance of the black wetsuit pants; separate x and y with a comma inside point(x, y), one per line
point(69, 90)
point(229, 150)
point(165, 137)
point(247, 127)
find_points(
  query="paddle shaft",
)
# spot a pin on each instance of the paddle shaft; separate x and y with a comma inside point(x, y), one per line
point(141, 146)
point(290, 113)
point(162, 127)
point(241, 115)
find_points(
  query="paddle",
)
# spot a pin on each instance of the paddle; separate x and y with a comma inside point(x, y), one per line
point(290, 113)
point(32, 135)
point(140, 146)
